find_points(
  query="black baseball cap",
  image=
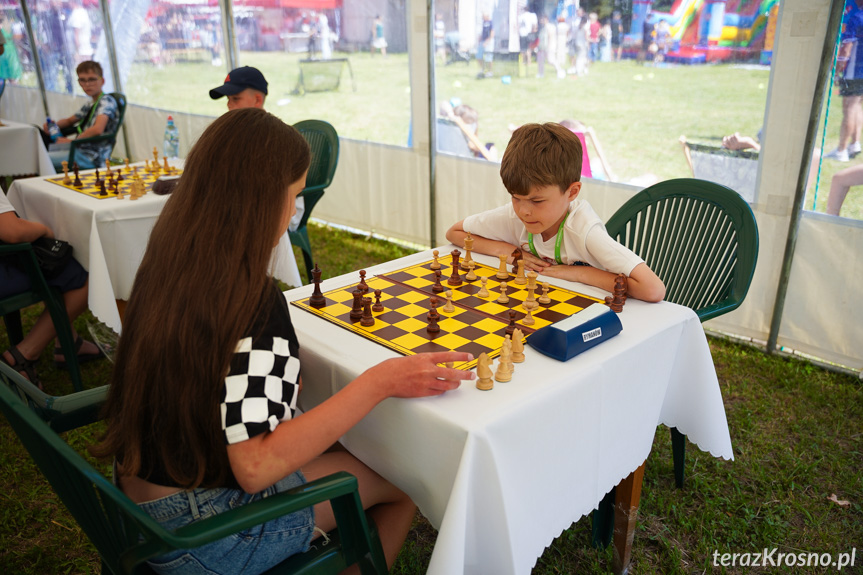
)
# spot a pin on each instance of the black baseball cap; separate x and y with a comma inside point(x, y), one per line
point(238, 80)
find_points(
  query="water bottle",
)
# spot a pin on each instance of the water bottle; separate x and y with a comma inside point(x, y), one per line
point(53, 129)
point(172, 140)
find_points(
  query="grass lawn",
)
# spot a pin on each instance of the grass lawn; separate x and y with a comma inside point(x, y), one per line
point(795, 428)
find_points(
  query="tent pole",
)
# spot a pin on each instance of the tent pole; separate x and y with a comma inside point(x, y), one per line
point(432, 124)
point(827, 53)
point(229, 38)
point(108, 27)
point(34, 52)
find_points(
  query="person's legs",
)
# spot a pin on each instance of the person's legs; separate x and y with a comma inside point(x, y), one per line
point(839, 186)
point(392, 510)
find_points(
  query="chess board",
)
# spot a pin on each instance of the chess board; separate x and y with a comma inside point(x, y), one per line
point(90, 188)
point(476, 326)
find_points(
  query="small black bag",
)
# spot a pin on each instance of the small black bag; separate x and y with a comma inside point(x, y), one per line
point(53, 255)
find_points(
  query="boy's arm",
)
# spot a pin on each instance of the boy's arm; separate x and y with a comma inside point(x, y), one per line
point(96, 129)
point(642, 283)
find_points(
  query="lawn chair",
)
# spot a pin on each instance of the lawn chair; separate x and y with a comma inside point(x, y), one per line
point(40, 291)
point(126, 537)
point(107, 136)
point(735, 169)
point(701, 239)
point(324, 141)
point(61, 413)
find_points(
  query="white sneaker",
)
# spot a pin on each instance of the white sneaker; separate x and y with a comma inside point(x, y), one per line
point(854, 149)
point(838, 155)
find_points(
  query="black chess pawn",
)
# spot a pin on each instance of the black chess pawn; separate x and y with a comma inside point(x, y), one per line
point(378, 307)
point(363, 286)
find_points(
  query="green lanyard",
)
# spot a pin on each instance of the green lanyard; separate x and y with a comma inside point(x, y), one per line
point(557, 243)
point(92, 110)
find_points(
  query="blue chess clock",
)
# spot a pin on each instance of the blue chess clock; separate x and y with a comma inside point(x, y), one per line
point(578, 333)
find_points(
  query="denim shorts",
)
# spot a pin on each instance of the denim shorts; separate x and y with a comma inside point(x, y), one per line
point(253, 551)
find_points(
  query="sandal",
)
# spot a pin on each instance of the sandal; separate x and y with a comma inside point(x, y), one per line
point(24, 366)
point(82, 358)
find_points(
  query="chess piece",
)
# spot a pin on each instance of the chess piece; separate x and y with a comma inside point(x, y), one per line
point(510, 329)
point(363, 286)
point(483, 290)
point(435, 265)
point(433, 317)
point(98, 179)
point(507, 346)
point(503, 297)
point(502, 274)
point(155, 159)
point(449, 308)
point(126, 161)
point(470, 275)
point(167, 167)
point(119, 193)
point(519, 275)
point(66, 179)
point(468, 246)
point(484, 381)
point(449, 364)
point(531, 279)
point(503, 374)
point(455, 278)
point(517, 346)
point(530, 302)
point(544, 299)
point(108, 167)
point(357, 308)
point(378, 307)
point(618, 297)
point(77, 183)
point(102, 190)
point(437, 287)
point(317, 300)
point(528, 318)
point(367, 320)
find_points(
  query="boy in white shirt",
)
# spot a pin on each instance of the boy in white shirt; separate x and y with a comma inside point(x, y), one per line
point(557, 234)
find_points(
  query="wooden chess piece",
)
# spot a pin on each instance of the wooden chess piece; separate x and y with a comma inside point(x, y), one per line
point(483, 290)
point(510, 329)
point(378, 307)
point(317, 300)
point(119, 193)
point(435, 265)
point(503, 297)
point(544, 299)
point(102, 190)
point(437, 287)
point(530, 302)
point(484, 381)
point(167, 167)
point(363, 286)
point(517, 346)
point(77, 183)
point(108, 166)
point(66, 179)
point(455, 278)
point(155, 159)
point(126, 161)
point(507, 344)
point(98, 179)
point(531, 279)
point(468, 247)
point(367, 320)
point(503, 374)
point(433, 317)
point(502, 274)
point(528, 318)
point(616, 301)
point(357, 308)
point(471, 275)
point(519, 275)
point(449, 308)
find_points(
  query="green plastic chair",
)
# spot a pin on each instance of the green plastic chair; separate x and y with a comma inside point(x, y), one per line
point(324, 141)
point(61, 413)
point(106, 137)
point(126, 537)
point(10, 307)
point(701, 239)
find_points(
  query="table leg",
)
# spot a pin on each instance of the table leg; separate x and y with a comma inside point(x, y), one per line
point(627, 495)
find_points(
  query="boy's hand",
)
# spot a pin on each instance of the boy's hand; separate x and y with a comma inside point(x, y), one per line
point(531, 262)
point(63, 140)
point(557, 271)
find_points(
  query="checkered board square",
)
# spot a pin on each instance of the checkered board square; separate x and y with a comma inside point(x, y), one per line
point(90, 188)
point(476, 326)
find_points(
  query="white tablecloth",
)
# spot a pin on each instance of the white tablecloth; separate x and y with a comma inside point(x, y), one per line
point(22, 151)
point(501, 473)
point(109, 237)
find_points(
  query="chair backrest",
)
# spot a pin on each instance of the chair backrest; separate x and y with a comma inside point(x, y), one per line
point(121, 109)
point(736, 169)
point(107, 136)
point(324, 142)
point(699, 237)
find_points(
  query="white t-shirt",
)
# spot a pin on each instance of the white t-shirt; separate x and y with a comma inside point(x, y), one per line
point(5, 204)
point(584, 238)
point(79, 20)
point(526, 23)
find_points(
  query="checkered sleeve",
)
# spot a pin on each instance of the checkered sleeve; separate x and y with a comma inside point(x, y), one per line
point(261, 387)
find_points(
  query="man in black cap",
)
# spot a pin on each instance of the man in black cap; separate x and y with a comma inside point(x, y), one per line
point(245, 88)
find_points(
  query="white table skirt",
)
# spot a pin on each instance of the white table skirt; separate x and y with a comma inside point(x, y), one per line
point(109, 238)
point(501, 473)
point(22, 151)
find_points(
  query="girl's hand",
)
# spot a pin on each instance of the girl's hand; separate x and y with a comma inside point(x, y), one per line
point(419, 375)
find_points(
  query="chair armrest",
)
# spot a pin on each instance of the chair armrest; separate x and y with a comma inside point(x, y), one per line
point(93, 139)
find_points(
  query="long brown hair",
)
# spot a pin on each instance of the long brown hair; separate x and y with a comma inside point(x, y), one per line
point(200, 286)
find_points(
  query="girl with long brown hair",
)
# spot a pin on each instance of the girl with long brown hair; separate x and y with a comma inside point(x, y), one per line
point(201, 413)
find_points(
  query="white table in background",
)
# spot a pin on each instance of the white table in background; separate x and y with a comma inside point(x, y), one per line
point(501, 473)
point(109, 237)
point(22, 151)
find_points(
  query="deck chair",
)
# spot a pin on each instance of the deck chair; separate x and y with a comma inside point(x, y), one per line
point(701, 239)
point(60, 413)
point(451, 139)
point(40, 291)
point(735, 169)
point(126, 537)
point(324, 141)
point(106, 137)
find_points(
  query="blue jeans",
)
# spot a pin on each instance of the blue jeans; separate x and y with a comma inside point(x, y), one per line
point(252, 551)
point(60, 156)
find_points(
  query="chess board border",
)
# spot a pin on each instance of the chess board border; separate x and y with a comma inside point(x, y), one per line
point(488, 271)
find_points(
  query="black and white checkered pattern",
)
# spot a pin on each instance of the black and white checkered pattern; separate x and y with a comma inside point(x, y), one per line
point(260, 389)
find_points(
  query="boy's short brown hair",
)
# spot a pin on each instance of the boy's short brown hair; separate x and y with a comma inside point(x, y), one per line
point(541, 155)
point(89, 66)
